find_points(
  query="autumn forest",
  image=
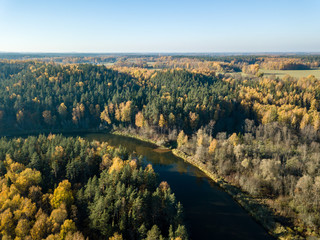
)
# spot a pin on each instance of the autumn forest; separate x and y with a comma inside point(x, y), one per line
point(233, 116)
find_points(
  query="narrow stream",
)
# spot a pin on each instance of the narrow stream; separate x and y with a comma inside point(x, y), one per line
point(210, 213)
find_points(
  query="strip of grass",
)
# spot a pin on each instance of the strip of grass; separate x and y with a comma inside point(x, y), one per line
point(293, 73)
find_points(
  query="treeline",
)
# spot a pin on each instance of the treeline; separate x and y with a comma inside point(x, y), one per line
point(287, 64)
point(226, 64)
point(66, 188)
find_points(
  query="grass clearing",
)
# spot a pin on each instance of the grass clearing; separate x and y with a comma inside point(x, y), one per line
point(293, 73)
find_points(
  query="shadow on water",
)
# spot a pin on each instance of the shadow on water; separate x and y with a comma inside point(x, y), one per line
point(210, 213)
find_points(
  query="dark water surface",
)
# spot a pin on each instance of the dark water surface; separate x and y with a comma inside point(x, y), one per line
point(210, 213)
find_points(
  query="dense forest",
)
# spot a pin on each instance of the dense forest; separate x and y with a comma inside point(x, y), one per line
point(260, 133)
point(53, 187)
point(77, 96)
point(51, 96)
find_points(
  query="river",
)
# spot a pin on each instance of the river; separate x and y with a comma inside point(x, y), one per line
point(210, 213)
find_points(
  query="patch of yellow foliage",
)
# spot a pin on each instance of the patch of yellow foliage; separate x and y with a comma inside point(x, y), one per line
point(117, 164)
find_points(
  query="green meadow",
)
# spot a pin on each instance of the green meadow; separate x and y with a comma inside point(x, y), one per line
point(293, 73)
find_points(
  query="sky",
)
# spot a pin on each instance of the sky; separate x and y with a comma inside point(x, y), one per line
point(107, 26)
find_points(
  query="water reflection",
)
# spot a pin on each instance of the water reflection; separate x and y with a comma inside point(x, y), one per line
point(210, 213)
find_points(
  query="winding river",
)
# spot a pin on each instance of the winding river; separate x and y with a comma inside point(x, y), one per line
point(210, 213)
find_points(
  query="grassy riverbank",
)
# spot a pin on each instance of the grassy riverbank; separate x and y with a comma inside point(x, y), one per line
point(254, 206)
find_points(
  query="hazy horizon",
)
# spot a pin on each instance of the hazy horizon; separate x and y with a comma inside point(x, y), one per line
point(170, 53)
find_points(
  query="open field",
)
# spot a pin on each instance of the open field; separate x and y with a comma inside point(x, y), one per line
point(293, 73)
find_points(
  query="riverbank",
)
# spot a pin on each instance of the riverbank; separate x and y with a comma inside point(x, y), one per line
point(255, 207)
point(136, 136)
point(49, 131)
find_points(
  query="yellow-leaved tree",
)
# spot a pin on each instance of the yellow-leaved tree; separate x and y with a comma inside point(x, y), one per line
point(104, 116)
point(213, 146)
point(182, 139)
point(117, 164)
point(68, 227)
point(162, 121)
point(62, 110)
point(139, 121)
point(116, 236)
point(27, 178)
point(234, 139)
point(62, 194)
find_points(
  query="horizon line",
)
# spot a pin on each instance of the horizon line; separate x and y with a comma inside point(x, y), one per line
point(167, 53)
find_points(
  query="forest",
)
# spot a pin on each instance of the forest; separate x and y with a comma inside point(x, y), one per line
point(260, 133)
point(53, 187)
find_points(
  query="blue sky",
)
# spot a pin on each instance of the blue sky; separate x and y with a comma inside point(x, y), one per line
point(159, 26)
